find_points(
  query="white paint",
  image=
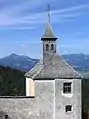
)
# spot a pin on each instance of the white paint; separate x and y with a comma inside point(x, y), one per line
point(54, 102)
point(69, 95)
point(40, 81)
point(66, 80)
point(30, 113)
point(35, 112)
point(30, 87)
point(27, 86)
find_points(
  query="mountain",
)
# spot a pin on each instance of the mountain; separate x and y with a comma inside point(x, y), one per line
point(80, 62)
point(20, 62)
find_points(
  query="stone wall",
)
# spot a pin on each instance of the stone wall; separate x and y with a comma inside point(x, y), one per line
point(49, 102)
point(40, 107)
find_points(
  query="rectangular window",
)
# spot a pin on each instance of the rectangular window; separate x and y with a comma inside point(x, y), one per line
point(68, 108)
point(67, 87)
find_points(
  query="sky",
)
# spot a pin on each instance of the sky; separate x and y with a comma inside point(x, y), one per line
point(22, 24)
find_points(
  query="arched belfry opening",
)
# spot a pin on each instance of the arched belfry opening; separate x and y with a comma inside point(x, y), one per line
point(47, 47)
point(52, 46)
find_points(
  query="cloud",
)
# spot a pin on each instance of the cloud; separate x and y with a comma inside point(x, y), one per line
point(27, 44)
point(66, 14)
point(71, 9)
point(15, 17)
point(18, 28)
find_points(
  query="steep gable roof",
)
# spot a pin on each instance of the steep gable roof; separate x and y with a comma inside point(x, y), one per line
point(55, 67)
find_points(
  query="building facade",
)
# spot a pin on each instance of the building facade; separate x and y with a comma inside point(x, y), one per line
point(53, 88)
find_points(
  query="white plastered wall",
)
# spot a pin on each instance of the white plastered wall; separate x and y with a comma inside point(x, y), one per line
point(73, 99)
point(30, 87)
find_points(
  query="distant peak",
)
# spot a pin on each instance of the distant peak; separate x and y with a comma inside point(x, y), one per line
point(13, 54)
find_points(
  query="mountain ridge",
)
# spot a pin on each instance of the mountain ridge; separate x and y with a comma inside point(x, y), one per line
point(80, 61)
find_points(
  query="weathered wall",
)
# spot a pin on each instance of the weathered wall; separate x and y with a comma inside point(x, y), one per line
point(49, 102)
point(40, 107)
point(73, 99)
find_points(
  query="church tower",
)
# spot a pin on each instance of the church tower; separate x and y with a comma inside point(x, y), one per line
point(49, 39)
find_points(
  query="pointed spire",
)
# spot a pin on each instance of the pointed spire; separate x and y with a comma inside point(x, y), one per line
point(49, 13)
point(49, 33)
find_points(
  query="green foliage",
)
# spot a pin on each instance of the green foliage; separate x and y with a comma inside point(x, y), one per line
point(12, 82)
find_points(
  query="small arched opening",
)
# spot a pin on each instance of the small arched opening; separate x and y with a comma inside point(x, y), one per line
point(52, 47)
point(47, 47)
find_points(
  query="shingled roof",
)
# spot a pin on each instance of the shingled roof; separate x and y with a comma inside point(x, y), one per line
point(55, 68)
point(49, 33)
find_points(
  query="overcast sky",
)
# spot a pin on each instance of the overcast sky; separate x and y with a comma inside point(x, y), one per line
point(22, 24)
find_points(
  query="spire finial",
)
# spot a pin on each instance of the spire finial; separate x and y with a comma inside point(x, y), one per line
point(48, 13)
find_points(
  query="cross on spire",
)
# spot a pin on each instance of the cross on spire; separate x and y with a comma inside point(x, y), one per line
point(49, 33)
point(48, 13)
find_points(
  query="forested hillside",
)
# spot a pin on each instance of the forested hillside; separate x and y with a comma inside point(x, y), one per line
point(12, 82)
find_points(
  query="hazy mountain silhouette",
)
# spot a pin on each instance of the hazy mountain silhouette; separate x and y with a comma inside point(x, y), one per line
point(78, 61)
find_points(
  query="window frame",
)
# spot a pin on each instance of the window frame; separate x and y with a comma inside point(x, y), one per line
point(67, 87)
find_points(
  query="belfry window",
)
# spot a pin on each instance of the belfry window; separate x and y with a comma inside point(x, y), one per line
point(47, 47)
point(67, 87)
point(52, 47)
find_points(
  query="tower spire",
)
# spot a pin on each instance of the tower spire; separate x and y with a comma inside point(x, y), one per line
point(49, 33)
point(48, 13)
